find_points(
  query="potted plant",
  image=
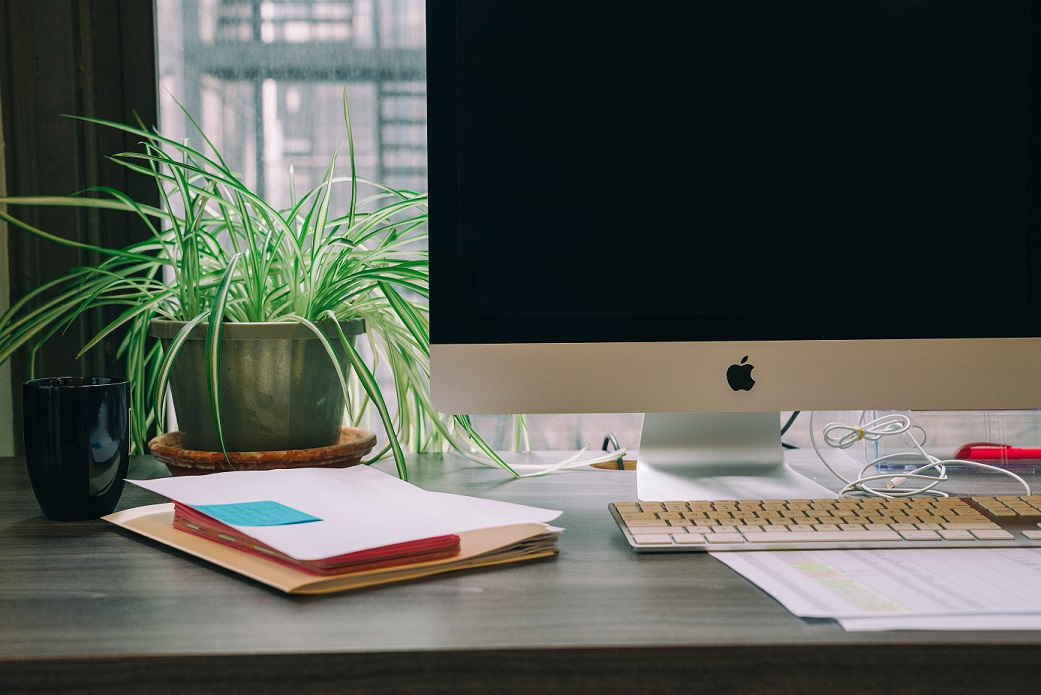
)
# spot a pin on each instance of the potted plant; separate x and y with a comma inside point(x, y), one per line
point(222, 263)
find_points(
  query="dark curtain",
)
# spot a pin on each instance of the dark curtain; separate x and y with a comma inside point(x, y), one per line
point(59, 58)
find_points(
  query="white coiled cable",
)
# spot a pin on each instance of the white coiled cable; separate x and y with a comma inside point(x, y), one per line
point(924, 479)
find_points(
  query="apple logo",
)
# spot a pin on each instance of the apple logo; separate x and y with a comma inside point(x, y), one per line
point(739, 376)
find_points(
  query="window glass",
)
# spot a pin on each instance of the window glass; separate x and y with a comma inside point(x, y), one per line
point(264, 79)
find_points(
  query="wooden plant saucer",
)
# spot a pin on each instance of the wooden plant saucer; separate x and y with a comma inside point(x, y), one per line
point(353, 445)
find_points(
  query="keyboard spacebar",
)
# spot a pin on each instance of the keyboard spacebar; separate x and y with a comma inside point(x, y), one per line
point(820, 536)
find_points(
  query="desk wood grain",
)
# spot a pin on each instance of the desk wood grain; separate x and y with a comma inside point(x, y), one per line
point(86, 607)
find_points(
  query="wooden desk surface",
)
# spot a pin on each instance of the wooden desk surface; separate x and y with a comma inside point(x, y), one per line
point(86, 607)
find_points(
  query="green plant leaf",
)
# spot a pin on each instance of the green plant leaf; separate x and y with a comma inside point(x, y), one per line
point(214, 329)
point(162, 377)
point(120, 253)
point(372, 388)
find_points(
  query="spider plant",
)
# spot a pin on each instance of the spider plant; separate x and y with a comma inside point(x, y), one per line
point(218, 252)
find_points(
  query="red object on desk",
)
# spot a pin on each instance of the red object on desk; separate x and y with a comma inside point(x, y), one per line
point(989, 452)
point(195, 522)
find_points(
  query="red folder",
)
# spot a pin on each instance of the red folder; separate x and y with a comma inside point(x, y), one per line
point(193, 521)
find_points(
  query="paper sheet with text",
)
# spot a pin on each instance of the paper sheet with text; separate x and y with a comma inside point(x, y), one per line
point(951, 584)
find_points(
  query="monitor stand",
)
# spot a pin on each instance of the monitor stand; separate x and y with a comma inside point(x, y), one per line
point(713, 456)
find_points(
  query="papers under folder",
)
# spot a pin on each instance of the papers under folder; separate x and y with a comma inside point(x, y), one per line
point(354, 527)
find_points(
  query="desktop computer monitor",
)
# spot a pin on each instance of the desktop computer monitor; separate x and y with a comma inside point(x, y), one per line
point(710, 211)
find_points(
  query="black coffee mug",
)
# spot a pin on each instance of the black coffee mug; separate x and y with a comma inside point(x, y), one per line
point(77, 444)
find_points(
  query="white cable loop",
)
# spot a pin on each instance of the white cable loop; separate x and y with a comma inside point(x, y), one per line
point(848, 435)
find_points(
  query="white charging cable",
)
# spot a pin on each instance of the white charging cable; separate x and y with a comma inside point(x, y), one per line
point(925, 478)
point(575, 461)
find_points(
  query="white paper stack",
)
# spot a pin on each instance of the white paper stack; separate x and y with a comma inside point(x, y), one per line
point(924, 589)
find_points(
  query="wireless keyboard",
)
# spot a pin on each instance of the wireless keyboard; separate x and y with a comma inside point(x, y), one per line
point(846, 523)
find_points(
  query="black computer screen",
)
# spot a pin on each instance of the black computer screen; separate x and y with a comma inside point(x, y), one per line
point(732, 170)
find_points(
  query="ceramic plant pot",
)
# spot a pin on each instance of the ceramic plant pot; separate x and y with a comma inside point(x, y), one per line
point(279, 389)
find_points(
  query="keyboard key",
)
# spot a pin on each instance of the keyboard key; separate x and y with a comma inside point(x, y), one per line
point(956, 535)
point(690, 539)
point(821, 536)
point(645, 530)
point(637, 516)
point(920, 535)
point(903, 527)
point(992, 535)
point(724, 538)
point(653, 539)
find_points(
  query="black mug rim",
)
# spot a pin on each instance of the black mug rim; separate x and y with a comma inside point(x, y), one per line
point(75, 382)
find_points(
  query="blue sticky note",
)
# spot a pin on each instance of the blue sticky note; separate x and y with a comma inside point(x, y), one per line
point(262, 513)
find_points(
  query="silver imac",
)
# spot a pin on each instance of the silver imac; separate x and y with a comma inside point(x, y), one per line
point(713, 211)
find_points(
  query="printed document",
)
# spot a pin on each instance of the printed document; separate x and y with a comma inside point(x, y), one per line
point(942, 588)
